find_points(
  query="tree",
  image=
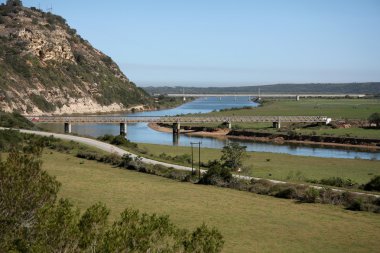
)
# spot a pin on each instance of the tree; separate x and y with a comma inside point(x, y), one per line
point(232, 155)
point(205, 240)
point(374, 118)
point(14, 3)
point(31, 220)
point(25, 191)
point(217, 174)
point(93, 225)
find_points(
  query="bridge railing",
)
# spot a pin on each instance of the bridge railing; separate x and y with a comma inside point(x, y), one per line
point(176, 119)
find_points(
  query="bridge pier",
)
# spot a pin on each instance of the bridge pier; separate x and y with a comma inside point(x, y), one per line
point(67, 127)
point(176, 132)
point(227, 124)
point(176, 128)
point(123, 128)
point(277, 124)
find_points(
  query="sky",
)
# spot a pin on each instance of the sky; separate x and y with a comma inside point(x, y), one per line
point(227, 43)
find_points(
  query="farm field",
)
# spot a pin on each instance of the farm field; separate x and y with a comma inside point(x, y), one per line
point(249, 222)
point(337, 109)
point(334, 108)
point(281, 166)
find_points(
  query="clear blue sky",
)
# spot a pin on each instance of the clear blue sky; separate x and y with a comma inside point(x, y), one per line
point(231, 42)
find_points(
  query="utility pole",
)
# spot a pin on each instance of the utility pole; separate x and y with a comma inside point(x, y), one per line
point(199, 163)
point(192, 159)
point(199, 158)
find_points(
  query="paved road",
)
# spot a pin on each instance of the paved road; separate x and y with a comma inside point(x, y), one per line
point(113, 149)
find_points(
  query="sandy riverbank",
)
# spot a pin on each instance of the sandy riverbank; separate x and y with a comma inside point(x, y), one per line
point(217, 133)
point(223, 133)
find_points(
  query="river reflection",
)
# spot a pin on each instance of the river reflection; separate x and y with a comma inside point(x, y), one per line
point(140, 132)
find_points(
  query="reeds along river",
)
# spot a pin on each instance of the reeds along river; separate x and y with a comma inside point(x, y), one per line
point(140, 132)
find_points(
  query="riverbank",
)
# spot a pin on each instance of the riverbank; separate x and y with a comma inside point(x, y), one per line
point(267, 138)
point(164, 129)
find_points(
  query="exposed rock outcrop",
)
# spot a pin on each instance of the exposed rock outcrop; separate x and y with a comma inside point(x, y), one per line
point(47, 68)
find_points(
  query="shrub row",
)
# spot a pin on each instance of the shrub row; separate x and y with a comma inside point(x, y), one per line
point(335, 181)
point(372, 185)
point(118, 140)
point(127, 162)
point(302, 193)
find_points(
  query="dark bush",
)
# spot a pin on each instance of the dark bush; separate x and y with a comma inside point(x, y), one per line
point(261, 186)
point(14, 120)
point(338, 182)
point(118, 140)
point(14, 3)
point(87, 155)
point(311, 195)
point(373, 184)
point(216, 175)
point(42, 103)
point(185, 158)
point(126, 161)
point(287, 193)
point(112, 158)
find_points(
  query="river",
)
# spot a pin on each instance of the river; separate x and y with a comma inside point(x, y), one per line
point(140, 132)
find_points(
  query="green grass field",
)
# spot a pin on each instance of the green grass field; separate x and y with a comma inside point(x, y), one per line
point(317, 130)
point(335, 108)
point(347, 132)
point(283, 166)
point(248, 222)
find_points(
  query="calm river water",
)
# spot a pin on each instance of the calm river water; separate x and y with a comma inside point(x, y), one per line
point(140, 132)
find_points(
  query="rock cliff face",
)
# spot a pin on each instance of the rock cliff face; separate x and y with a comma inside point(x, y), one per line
point(47, 68)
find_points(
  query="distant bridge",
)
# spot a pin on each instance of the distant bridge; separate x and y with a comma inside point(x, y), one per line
point(175, 120)
point(268, 95)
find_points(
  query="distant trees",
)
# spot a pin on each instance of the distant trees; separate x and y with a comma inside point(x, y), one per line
point(374, 118)
point(14, 3)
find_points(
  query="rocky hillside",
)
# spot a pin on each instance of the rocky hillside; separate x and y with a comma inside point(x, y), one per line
point(47, 68)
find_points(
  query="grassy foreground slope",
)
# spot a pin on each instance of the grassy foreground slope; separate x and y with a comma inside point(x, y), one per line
point(282, 166)
point(248, 222)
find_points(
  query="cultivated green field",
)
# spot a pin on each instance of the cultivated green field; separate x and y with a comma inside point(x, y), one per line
point(347, 132)
point(335, 108)
point(249, 222)
point(283, 166)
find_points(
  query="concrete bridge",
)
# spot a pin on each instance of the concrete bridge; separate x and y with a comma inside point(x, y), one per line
point(175, 120)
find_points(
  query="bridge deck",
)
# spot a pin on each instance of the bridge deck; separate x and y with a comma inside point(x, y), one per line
point(182, 119)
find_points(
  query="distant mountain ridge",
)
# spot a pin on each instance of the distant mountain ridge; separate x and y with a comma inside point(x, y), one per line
point(338, 88)
point(47, 68)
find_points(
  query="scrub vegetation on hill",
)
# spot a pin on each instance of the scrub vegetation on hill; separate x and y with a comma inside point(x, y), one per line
point(45, 66)
point(14, 120)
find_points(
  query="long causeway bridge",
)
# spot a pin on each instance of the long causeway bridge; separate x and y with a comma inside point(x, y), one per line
point(174, 120)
